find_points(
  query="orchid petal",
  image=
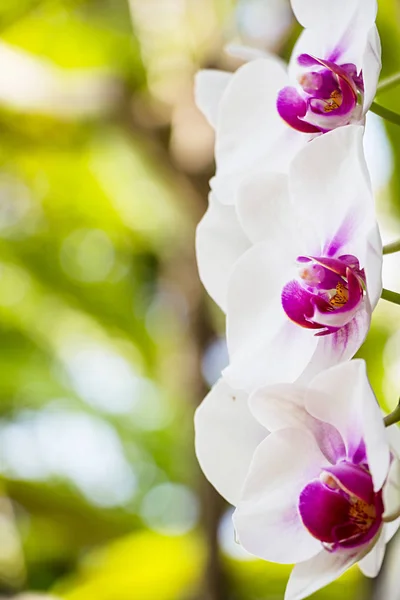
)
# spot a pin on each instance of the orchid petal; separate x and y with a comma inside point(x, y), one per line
point(311, 43)
point(246, 53)
point(210, 86)
point(344, 36)
point(267, 520)
point(330, 183)
point(391, 492)
point(279, 352)
point(263, 206)
point(351, 407)
point(337, 17)
point(340, 346)
point(371, 564)
point(256, 284)
point(390, 529)
point(254, 309)
point(309, 576)
point(371, 68)
point(393, 433)
point(282, 406)
point(226, 438)
point(249, 130)
point(220, 241)
point(372, 258)
point(257, 327)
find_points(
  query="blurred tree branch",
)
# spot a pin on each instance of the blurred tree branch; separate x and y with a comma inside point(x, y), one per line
point(194, 188)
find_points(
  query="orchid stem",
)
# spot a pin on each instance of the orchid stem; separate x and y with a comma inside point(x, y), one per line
point(394, 416)
point(392, 248)
point(385, 113)
point(390, 296)
point(388, 83)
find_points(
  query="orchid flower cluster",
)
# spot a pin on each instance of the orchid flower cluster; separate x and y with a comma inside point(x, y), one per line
point(290, 249)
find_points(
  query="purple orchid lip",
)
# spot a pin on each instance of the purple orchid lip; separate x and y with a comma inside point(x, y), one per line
point(327, 98)
point(354, 479)
point(346, 303)
point(292, 108)
point(326, 295)
point(337, 69)
point(341, 508)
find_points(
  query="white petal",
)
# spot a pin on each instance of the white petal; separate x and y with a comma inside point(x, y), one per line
point(366, 245)
point(264, 206)
point(272, 356)
point(226, 438)
point(251, 136)
point(329, 181)
point(342, 396)
point(372, 260)
point(323, 43)
point(309, 576)
point(346, 35)
point(209, 88)
point(393, 433)
point(391, 496)
point(310, 41)
point(372, 65)
point(371, 564)
point(254, 308)
point(337, 16)
point(391, 529)
point(341, 346)
point(246, 53)
point(391, 492)
point(283, 406)
point(267, 519)
point(220, 241)
point(378, 152)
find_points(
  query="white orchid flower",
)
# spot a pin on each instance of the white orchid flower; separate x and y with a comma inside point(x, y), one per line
point(322, 485)
point(265, 112)
point(297, 266)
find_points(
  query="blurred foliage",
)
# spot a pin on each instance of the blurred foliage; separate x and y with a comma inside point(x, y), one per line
point(257, 579)
point(104, 163)
point(145, 566)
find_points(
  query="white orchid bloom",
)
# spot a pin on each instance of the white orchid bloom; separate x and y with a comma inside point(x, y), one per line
point(264, 113)
point(298, 265)
point(322, 486)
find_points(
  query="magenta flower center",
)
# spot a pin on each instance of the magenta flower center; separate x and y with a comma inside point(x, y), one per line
point(326, 294)
point(329, 95)
point(341, 508)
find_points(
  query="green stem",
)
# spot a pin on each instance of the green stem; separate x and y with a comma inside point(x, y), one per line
point(394, 416)
point(388, 83)
point(390, 296)
point(392, 248)
point(385, 113)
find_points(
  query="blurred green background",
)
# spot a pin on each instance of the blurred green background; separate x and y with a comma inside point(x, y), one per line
point(107, 339)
